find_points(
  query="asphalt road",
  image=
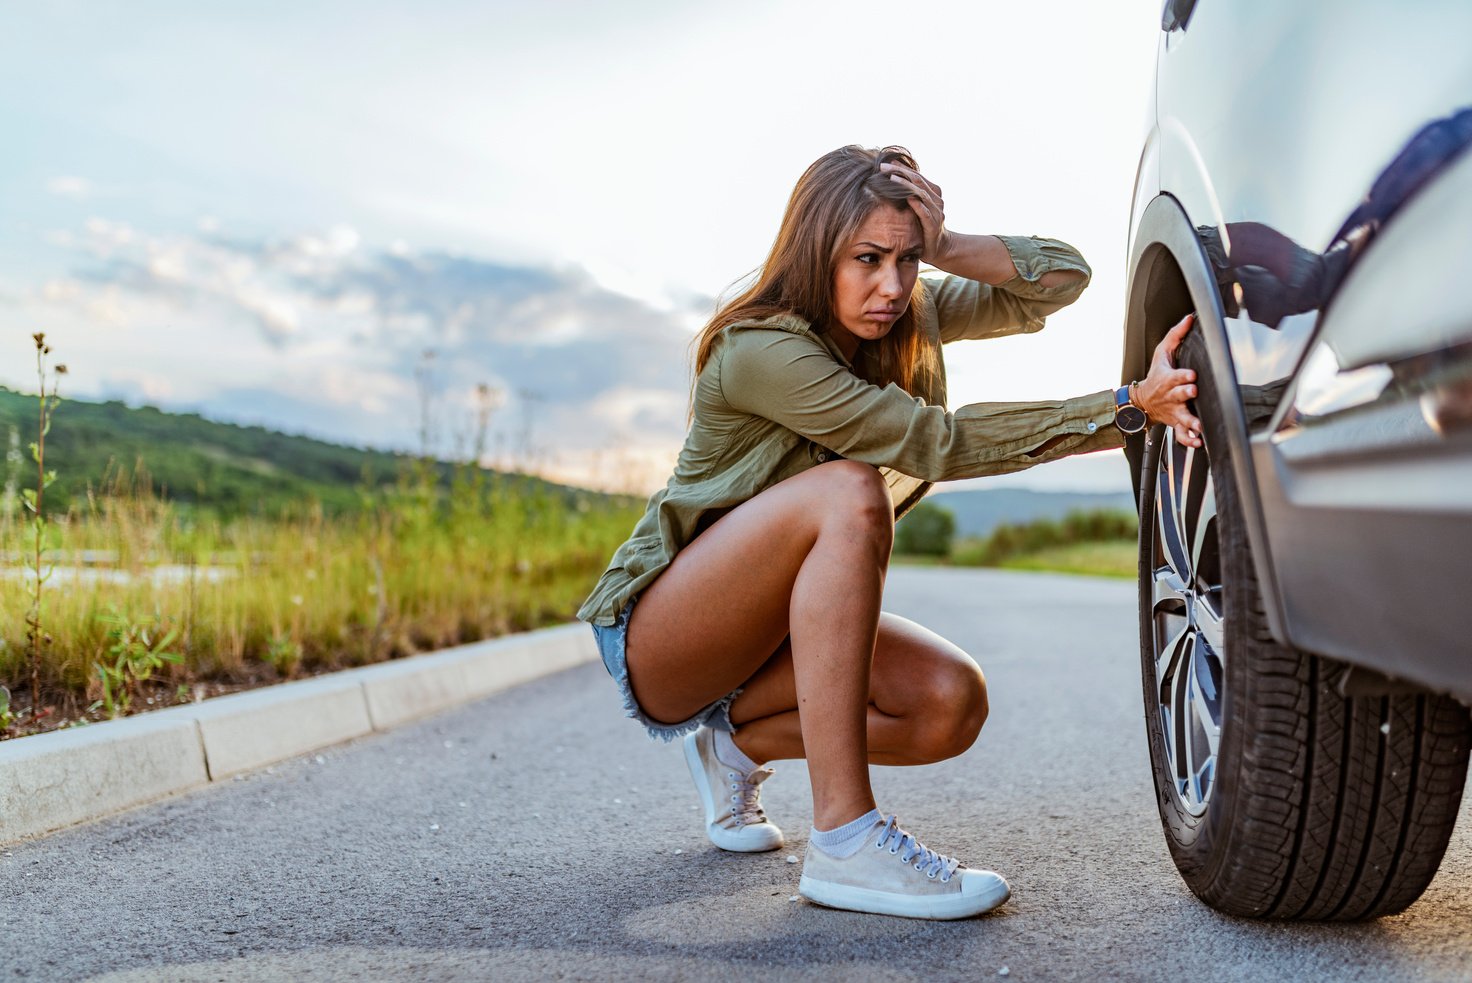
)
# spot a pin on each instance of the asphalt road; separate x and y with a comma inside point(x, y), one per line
point(539, 835)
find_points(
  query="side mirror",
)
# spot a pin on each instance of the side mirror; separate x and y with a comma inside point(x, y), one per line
point(1176, 14)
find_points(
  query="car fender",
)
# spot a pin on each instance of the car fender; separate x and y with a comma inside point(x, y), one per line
point(1169, 276)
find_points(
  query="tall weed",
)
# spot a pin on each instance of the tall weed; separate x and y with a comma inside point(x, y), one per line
point(424, 564)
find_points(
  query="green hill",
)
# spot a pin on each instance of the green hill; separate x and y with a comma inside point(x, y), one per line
point(979, 511)
point(223, 468)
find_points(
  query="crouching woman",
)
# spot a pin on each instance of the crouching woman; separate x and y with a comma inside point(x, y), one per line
point(744, 611)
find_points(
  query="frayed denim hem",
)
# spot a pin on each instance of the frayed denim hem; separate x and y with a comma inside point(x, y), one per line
point(717, 716)
point(611, 642)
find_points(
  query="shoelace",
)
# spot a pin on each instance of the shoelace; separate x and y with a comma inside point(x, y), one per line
point(912, 851)
point(746, 808)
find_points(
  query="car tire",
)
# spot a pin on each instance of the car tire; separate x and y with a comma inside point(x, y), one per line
point(1305, 803)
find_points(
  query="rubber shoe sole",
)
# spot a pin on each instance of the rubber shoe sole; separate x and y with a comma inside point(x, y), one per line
point(992, 892)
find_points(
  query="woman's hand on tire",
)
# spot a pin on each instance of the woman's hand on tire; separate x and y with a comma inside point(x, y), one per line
point(1165, 392)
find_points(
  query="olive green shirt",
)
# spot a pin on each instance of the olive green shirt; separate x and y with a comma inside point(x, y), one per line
point(776, 398)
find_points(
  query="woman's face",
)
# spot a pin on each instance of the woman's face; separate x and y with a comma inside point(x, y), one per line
point(875, 273)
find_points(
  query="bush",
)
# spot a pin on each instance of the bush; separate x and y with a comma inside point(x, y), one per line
point(926, 530)
point(1010, 541)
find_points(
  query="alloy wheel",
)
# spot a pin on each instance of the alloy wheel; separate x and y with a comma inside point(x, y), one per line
point(1187, 618)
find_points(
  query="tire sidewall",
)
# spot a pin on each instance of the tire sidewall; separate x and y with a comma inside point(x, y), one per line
point(1195, 841)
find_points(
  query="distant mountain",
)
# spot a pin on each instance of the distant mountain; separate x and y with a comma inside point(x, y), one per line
point(224, 468)
point(979, 512)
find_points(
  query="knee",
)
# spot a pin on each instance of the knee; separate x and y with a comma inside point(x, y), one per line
point(854, 495)
point(955, 710)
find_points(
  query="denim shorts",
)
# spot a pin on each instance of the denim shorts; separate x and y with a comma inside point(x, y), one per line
point(611, 643)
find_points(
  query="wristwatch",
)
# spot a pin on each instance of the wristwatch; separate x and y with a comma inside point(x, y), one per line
point(1127, 416)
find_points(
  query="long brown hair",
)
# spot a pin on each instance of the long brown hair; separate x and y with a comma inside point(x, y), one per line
point(831, 200)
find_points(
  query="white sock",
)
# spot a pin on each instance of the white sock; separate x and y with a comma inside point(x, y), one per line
point(728, 754)
point(848, 839)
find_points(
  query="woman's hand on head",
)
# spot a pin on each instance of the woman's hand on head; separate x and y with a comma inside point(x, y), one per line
point(1165, 390)
point(928, 204)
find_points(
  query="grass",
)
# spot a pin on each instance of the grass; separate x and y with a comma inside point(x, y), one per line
point(1097, 544)
point(1116, 558)
point(420, 567)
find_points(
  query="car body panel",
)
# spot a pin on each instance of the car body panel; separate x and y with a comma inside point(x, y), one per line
point(1359, 82)
point(1279, 134)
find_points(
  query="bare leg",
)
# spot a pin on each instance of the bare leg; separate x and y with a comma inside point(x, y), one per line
point(805, 558)
point(927, 701)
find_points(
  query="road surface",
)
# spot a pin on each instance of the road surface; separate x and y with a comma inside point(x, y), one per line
point(540, 835)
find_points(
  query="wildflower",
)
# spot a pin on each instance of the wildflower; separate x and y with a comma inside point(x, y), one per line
point(40, 337)
point(61, 369)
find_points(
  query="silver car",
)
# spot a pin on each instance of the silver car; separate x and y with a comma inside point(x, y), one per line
point(1306, 578)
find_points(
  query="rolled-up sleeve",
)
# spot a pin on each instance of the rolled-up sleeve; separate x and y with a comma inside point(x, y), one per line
point(968, 309)
point(791, 379)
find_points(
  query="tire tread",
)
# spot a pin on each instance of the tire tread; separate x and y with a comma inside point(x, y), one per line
point(1318, 813)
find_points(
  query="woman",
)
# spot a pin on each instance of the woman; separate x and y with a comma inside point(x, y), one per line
point(817, 415)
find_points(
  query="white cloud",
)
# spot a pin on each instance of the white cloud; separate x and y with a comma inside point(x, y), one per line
point(634, 411)
point(166, 262)
point(103, 237)
point(61, 290)
point(372, 392)
point(101, 304)
point(318, 332)
point(75, 188)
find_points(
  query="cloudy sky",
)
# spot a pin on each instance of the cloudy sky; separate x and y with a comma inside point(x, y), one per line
point(270, 212)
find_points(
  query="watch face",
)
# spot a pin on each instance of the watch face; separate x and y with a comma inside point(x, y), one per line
point(1129, 418)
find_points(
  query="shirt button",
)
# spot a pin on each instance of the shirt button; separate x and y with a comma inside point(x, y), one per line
point(822, 456)
point(1093, 426)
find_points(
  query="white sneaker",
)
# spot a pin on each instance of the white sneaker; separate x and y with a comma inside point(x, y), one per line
point(895, 874)
point(734, 819)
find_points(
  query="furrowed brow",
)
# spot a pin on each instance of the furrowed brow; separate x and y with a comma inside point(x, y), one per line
point(914, 247)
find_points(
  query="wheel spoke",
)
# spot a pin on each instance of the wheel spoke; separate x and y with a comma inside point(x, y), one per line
point(1202, 701)
point(1181, 710)
point(1210, 622)
point(1204, 712)
point(1205, 515)
point(1169, 595)
point(1201, 781)
point(1167, 528)
point(1184, 460)
point(1168, 658)
point(1197, 727)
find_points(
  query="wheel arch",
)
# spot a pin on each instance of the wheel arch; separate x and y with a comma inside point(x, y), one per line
point(1168, 277)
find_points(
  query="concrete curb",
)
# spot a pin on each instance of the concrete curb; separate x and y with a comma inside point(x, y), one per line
point(51, 781)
